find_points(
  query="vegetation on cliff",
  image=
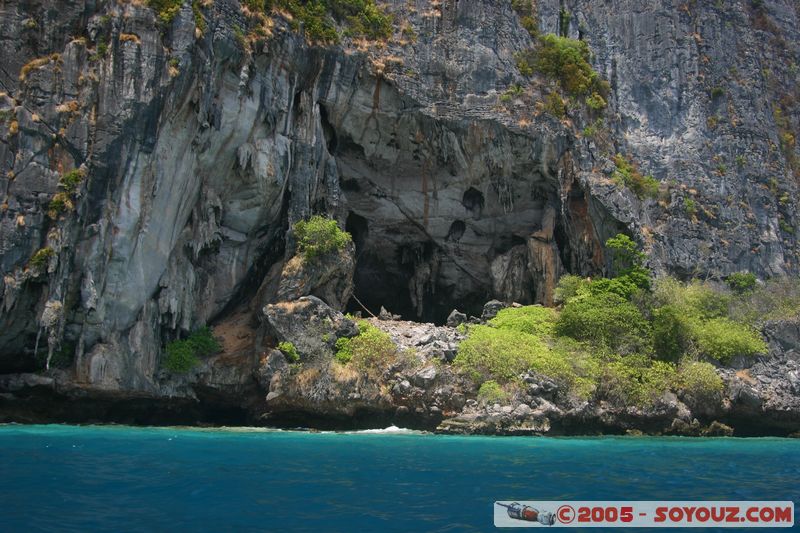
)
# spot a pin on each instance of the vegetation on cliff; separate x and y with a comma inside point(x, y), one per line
point(318, 18)
point(318, 236)
point(372, 348)
point(625, 339)
point(183, 355)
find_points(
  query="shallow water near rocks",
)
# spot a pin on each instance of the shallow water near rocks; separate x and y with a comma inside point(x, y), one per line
point(114, 478)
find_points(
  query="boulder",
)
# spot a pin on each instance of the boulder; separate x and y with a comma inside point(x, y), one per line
point(310, 324)
point(456, 318)
point(491, 308)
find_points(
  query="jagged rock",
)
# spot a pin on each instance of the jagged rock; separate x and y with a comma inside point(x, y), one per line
point(386, 315)
point(491, 308)
point(309, 324)
point(329, 278)
point(271, 365)
point(425, 376)
point(717, 429)
point(456, 318)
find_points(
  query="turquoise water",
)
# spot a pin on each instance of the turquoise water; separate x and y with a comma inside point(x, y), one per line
point(65, 478)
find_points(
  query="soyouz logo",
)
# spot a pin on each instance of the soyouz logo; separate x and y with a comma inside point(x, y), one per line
point(643, 514)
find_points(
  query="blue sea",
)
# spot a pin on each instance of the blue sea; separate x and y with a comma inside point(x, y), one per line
point(112, 478)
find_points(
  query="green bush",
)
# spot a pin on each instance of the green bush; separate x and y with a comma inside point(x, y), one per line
point(627, 175)
point(722, 339)
point(741, 282)
point(504, 354)
point(566, 61)
point(700, 381)
point(364, 17)
point(361, 17)
point(60, 203)
point(672, 332)
point(319, 236)
point(596, 102)
point(555, 105)
point(371, 349)
point(637, 381)
point(526, 9)
point(532, 319)
point(695, 299)
point(41, 258)
point(165, 9)
point(777, 299)
point(182, 355)
point(604, 319)
point(492, 392)
point(289, 351)
point(70, 181)
point(568, 287)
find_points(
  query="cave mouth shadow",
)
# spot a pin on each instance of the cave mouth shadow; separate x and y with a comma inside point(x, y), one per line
point(375, 284)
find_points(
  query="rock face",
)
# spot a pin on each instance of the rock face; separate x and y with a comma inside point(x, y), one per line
point(195, 150)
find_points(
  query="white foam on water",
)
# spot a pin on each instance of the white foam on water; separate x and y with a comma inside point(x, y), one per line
point(389, 430)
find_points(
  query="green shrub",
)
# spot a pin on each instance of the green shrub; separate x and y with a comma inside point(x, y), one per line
point(492, 392)
point(70, 181)
point(364, 17)
point(319, 236)
point(59, 204)
point(566, 61)
point(700, 381)
point(695, 299)
point(604, 319)
point(777, 299)
point(361, 17)
point(568, 287)
point(532, 319)
point(526, 9)
point(371, 349)
point(722, 339)
point(596, 102)
point(41, 259)
point(627, 175)
point(637, 381)
point(165, 9)
point(672, 332)
point(741, 282)
point(289, 351)
point(182, 355)
point(690, 206)
point(555, 105)
point(180, 358)
point(504, 354)
point(499, 354)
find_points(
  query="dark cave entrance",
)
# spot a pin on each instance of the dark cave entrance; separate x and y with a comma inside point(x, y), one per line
point(376, 283)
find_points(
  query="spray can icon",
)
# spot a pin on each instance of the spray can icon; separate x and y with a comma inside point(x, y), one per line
point(518, 511)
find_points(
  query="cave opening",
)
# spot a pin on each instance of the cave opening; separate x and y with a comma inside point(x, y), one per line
point(473, 201)
point(331, 140)
point(377, 282)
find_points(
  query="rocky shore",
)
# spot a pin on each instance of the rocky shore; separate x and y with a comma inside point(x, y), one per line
point(421, 391)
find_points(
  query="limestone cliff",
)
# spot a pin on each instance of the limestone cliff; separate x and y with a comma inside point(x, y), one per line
point(151, 171)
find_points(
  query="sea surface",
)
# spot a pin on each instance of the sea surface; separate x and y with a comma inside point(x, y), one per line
point(114, 478)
